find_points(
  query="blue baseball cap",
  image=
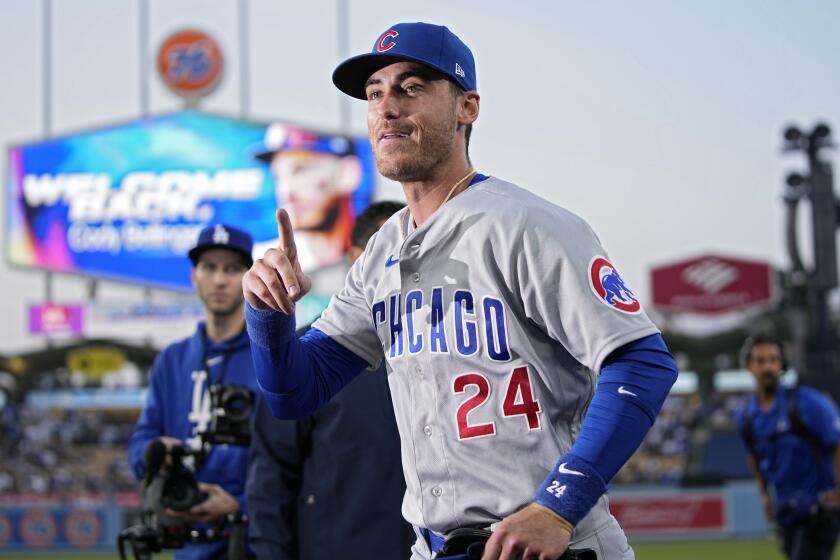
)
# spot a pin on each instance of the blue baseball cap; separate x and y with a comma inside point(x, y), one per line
point(221, 236)
point(431, 45)
point(281, 136)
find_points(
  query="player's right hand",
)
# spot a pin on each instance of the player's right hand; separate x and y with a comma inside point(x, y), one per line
point(767, 507)
point(276, 281)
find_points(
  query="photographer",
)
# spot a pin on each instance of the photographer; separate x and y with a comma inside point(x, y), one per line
point(792, 435)
point(178, 412)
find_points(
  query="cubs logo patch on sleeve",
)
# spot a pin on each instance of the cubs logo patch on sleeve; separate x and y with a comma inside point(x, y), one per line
point(608, 285)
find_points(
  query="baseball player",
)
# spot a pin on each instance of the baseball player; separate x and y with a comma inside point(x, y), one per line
point(494, 310)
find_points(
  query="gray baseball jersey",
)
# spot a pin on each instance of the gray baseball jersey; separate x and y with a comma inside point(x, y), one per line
point(493, 317)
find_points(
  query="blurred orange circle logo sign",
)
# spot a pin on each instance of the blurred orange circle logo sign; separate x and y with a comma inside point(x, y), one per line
point(82, 528)
point(190, 63)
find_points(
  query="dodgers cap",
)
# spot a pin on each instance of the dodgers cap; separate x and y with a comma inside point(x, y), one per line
point(432, 45)
point(221, 236)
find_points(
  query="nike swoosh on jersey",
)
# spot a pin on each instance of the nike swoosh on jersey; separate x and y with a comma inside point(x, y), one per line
point(563, 470)
point(391, 261)
point(623, 391)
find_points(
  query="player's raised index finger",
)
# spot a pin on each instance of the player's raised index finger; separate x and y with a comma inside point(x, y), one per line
point(284, 232)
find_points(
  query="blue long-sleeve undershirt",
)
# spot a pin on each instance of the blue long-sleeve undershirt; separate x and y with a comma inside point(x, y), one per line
point(297, 376)
point(632, 386)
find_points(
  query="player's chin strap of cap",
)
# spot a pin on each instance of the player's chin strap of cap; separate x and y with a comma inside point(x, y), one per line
point(571, 489)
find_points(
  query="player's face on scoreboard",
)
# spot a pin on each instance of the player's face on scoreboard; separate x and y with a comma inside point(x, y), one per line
point(412, 120)
point(312, 185)
point(217, 277)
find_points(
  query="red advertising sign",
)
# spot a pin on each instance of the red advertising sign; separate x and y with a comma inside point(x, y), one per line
point(712, 284)
point(190, 63)
point(685, 513)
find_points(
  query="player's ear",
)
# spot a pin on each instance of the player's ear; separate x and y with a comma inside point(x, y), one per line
point(349, 173)
point(469, 103)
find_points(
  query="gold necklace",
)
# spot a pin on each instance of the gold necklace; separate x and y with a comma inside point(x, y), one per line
point(407, 215)
point(469, 175)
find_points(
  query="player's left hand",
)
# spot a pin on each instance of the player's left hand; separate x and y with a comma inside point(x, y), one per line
point(534, 532)
point(218, 504)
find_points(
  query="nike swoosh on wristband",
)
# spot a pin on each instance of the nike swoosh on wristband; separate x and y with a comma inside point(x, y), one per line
point(391, 261)
point(563, 470)
point(623, 391)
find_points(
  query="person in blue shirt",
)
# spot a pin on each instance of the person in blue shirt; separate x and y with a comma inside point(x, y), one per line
point(321, 476)
point(177, 407)
point(792, 436)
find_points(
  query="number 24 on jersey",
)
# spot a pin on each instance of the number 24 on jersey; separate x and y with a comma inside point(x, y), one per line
point(518, 401)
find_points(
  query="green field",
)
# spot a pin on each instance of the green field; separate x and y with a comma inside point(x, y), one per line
point(747, 549)
point(763, 549)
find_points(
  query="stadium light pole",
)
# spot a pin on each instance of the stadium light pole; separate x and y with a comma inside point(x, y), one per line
point(343, 35)
point(243, 16)
point(46, 115)
point(821, 353)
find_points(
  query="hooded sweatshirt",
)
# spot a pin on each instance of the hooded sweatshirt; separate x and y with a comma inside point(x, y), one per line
point(178, 405)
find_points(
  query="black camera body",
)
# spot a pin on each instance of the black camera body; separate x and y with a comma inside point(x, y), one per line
point(171, 486)
point(230, 409)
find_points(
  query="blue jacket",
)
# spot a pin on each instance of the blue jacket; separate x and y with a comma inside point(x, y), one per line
point(175, 407)
point(797, 470)
point(331, 485)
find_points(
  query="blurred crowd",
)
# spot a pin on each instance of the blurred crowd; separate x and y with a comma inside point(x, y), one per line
point(64, 451)
point(71, 451)
point(676, 445)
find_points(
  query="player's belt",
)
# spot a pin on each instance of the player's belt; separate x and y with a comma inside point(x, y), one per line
point(461, 544)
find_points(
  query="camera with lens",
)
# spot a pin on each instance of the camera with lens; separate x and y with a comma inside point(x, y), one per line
point(171, 485)
point(178, 488)
point(230, 409)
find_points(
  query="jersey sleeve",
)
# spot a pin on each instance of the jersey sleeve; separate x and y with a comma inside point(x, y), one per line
point(347, 319)
point(820, 416)
point(571, 289)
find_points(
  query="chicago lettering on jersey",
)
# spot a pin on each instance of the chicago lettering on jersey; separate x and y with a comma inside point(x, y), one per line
point(416, 322)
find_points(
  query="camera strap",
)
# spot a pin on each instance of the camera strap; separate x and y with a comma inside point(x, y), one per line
point(223, 356)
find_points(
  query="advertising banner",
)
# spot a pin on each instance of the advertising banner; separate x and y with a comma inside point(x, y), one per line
point(54, 318)
point(712, 284)
point(58, 527)
point(680, 514)
point(126, 202)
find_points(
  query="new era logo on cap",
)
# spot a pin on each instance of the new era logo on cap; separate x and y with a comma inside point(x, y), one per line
point(459, 70)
